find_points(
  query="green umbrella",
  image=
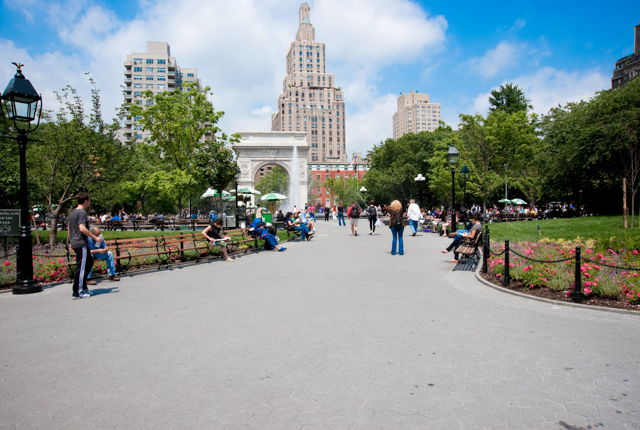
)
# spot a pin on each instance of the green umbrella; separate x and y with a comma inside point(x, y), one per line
point(214, 193)
point(504, 201)
point(273, 197)
point(518, 202)
point(246, 191)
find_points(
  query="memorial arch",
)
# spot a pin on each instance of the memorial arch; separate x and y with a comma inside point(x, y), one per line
point(263, 148)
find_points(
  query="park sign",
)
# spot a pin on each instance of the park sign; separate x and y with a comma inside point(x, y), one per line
point(9, 222)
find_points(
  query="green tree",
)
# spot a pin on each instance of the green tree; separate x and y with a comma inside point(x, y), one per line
point(78, 153)
point(215, 165)
point(276, 181)
point(180, 122)
point(344, 190)
point(509, 98)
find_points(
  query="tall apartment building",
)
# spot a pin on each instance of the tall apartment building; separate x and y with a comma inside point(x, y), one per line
point(628, 68)
point(309, 101)
point(415, 114)
point(154, 70)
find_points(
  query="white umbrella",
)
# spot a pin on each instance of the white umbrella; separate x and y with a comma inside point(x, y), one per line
point(214, 193)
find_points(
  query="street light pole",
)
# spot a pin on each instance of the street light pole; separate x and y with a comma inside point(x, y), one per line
point(465, 176)
point(22, 103)
point(452, 158)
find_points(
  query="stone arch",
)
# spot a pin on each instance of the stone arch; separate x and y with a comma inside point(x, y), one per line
point(259, 165)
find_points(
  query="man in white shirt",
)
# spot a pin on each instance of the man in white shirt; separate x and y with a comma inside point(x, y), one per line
point(413, 213)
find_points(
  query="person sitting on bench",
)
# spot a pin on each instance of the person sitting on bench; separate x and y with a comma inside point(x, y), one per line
point(100, 252)
point(270, 241)
point(473, 233)
point(216, 237)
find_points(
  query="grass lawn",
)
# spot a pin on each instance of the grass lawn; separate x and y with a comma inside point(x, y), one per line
point(607, 230)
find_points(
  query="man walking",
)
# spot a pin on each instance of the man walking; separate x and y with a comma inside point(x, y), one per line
point(78, 240)
point(354, 216)
point(413, 213)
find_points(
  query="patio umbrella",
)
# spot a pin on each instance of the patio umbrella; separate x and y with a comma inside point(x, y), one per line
point(273, 197)
point(247, 190)
point(228, 198)
point(507, 201)
point(214, 193)
point(518, 202)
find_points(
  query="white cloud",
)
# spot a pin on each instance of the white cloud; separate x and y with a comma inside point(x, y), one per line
point(549, 87)
point(502, 57)
point(264, 110)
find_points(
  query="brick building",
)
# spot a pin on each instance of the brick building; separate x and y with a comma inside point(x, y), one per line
point(628, 68)
point(321, 171)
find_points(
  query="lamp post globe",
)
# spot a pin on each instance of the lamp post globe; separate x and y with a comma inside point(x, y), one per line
point(419, 180)
point(452, 159)
point(22, 104)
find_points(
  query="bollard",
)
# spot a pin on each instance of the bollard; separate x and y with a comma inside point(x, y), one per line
point(506, 263)
point(485, 252)
point(182, 259)
point(118, 265)
point(577, 289)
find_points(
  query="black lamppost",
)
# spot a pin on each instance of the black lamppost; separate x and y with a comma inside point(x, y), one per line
point(419, 180)
point(22, 103)
point(236, 177)
point(452, 158)
point(465, 176)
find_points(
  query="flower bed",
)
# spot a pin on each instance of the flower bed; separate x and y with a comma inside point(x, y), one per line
point(599, 281)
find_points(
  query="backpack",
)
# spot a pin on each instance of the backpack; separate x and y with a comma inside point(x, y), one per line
point(372, 212)
point(355, 212)
point(398, 221)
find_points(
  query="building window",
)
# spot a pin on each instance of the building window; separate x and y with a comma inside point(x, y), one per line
point(149, 69)
point(149, 78)
point(161, 78)
point(137, 93)
point(160, 70)
point(137, 85)
point(162, 86)
point(137, 77)
point(162, 61)
point(149, 102)
point(137, 69)
point(149, 85)
point(149, 60)
point(190, 75)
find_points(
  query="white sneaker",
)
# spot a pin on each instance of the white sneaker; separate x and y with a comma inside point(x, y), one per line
point(81, 296)
point(88, 292)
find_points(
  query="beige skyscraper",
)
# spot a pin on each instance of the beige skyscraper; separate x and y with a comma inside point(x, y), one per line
point(415, 114)
point(154, 70)
point(309, 101)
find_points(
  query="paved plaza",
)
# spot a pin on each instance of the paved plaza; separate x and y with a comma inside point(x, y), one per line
point(332, 334)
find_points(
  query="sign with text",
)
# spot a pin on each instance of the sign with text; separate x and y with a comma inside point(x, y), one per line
point(9, 222)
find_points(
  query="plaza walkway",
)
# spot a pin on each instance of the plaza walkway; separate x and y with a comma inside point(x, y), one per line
point(332, 334)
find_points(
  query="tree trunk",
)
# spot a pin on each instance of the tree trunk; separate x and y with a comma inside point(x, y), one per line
point(625, 209)
point(53, 231)
point(633, 207)
point(35, 229)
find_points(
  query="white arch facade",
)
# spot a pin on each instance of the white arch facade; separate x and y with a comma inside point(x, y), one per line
point(257, 149)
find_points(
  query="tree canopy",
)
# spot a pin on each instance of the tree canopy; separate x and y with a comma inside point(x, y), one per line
point(509, 98)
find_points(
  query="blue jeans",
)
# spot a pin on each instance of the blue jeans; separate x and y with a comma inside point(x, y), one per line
point(305, 231)
point(111, 268)
point(397, 234)
point(414, 226)
point(341, 218)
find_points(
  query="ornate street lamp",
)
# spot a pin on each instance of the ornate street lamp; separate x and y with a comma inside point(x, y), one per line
point(465, 176)
point(22, 104)
point(363, 190)
point(236, 177)
point(452, 159)
point(419, 180)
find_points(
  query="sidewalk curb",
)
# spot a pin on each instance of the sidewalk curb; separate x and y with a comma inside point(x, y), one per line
point(553, 302)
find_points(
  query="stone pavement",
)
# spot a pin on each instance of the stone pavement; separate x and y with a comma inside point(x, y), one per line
point(332, 334)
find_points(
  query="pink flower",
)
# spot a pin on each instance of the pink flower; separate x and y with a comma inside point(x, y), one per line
point(6, 263)
point(587, 290)
point(635, 252)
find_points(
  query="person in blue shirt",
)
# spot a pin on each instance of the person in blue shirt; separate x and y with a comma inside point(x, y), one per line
point(99, 252)
point(115, 218)
point(270, 241)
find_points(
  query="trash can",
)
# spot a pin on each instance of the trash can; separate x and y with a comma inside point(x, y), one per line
point(268, 218)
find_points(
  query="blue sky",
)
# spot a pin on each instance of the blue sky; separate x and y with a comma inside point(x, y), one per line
point(456, 52)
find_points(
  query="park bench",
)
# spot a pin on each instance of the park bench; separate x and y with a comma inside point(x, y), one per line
point(469, 254)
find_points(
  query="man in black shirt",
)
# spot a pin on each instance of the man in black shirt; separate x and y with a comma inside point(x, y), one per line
point(78, 233)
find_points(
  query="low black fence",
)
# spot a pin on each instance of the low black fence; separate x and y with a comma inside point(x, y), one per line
point(577, 289)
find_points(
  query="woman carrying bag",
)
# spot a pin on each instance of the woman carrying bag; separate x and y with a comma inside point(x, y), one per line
point(396, 224)
point(372, 213)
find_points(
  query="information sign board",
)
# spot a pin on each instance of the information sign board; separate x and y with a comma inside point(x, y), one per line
point(9, 222)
